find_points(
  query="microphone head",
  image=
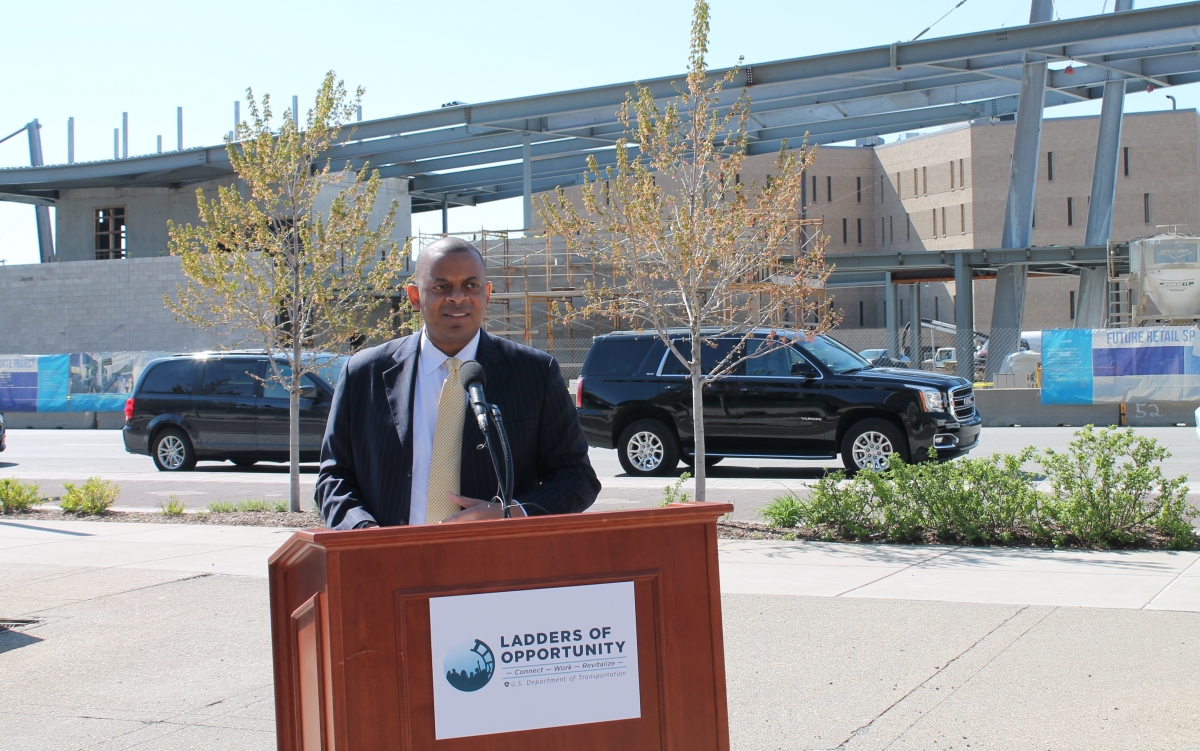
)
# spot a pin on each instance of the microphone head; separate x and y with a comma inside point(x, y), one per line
point(471, 372)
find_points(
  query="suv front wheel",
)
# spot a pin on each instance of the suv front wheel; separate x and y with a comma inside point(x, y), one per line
point(870, 443)
point(172, 451)
point(648, 448)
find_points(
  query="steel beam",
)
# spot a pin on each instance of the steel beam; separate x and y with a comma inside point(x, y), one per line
point(1090, 302)
point(914, 325)
point(42, 213)
point(892, 317)
point(1005, 336)
point(964, 317)
point(1108, 147)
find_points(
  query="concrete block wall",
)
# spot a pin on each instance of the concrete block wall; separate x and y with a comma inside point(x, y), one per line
point(95, 306)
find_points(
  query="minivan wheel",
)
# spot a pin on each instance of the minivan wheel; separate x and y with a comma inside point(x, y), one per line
point(648, 448)
point(172, 451)
point(870, 443)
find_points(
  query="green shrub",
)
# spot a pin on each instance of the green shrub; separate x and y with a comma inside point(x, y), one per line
point(785, 511)
point(1110, 489)
point(173, 506)
point(16, 496)
point(673, 493)
point(93, 497)
point(1107, 489)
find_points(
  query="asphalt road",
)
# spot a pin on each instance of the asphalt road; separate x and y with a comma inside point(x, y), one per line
point(51, 457)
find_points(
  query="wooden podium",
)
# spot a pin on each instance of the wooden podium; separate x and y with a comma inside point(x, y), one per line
point(350, 621)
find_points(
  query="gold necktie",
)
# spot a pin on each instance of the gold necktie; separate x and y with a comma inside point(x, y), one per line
point(447, 447)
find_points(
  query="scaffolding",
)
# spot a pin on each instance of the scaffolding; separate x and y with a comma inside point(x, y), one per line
point(536, 280)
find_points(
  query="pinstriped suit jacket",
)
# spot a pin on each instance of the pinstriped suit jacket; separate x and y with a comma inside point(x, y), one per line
point(366, 457)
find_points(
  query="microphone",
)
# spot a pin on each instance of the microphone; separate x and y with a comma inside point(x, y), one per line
point(472, 377)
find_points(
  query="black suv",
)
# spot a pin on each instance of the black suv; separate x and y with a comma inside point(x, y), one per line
point(217, 406)
point(804, 400)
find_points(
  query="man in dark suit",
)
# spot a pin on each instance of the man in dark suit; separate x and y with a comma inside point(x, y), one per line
point(401, 445)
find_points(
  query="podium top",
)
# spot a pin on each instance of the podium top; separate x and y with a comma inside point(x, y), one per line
point(672, 515)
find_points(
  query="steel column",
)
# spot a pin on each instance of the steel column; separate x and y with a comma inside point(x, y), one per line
point(914, 325)
point(526, 181)
point(179, 128)
point(890, 304)
point(964, 317)
point(1018, 213)
point(445, 215)
point(45, 237)
point(1090, 302)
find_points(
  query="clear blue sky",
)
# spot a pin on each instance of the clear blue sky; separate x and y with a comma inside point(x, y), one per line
point(94, 61)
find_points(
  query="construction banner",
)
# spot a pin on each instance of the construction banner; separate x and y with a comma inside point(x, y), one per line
point(1121, 366)
point(81, 382)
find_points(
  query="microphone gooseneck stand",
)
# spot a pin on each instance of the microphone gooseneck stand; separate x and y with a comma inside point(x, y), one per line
point(507, 483)
point(473, 379)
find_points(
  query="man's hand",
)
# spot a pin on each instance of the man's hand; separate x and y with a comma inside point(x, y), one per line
point(475, 509)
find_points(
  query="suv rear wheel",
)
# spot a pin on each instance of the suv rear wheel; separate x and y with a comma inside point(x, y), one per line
point(172, 451)
point(648, 448)
point(869, 444)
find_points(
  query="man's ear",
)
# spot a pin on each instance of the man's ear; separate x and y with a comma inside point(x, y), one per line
point(414, 296)
point(488, 294)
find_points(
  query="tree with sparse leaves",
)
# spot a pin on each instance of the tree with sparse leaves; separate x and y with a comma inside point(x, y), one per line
point(690, 245)
point(266, 263)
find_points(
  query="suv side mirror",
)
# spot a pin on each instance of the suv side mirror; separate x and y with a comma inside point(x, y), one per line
point(309, 392)
point(803, 369)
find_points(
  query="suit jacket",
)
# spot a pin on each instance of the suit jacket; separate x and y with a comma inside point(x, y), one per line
point(366, 457)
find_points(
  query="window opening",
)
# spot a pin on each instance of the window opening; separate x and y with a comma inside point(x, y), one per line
point(1070, 212)
point(858, 183)
point(1050, 166)
point(1072, 305)
point(1125, 158)
point(962, 218)
point(1146, 207)
point(845, 231)
point(110, 233)
point(829, 188)
point(859, 222)
point(962, 180)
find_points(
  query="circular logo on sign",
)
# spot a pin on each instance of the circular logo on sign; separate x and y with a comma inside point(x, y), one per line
point(469, 666)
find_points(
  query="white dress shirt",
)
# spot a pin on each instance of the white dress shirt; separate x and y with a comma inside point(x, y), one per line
point(431, 374)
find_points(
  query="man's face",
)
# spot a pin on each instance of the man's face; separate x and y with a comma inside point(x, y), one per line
point(452, 293)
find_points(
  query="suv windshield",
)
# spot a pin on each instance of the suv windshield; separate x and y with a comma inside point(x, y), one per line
point(833, 355)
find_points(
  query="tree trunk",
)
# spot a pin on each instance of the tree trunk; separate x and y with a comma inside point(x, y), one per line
point(698, 420)
point(294, 447)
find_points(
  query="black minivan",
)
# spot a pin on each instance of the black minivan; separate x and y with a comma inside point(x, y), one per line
point(811, 398)
point(221, 407)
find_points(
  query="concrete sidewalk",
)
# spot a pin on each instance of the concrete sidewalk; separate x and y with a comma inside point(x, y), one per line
point(156, 636)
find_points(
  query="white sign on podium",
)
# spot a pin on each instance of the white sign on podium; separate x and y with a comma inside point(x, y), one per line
point(535, 658)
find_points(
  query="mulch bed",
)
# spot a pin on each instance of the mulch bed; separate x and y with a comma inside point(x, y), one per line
point(302, 520)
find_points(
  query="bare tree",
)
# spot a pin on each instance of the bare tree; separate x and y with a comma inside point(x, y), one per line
point(691, 246)
point(267, 264)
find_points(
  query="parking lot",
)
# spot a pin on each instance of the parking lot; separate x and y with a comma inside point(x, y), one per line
point(51, 457)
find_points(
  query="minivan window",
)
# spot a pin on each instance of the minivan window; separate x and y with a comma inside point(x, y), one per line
point(273, 389)
point(833, 355)
point(615, 357)
point(710, 357)
point(230, 377)
point(170, 377)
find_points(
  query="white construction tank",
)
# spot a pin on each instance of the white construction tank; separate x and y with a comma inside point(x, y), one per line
point(1168, 267)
